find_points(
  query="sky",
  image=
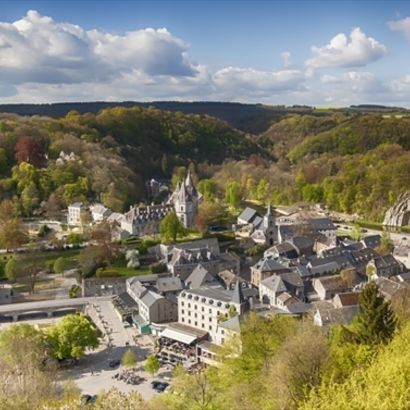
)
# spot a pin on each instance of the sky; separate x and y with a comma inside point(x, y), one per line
point(322, 53)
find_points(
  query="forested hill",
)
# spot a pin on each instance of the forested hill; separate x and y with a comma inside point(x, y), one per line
point(114, 152)
point(253, 118)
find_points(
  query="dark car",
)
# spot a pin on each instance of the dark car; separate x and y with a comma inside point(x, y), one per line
point(159, 387)
point(114, 363)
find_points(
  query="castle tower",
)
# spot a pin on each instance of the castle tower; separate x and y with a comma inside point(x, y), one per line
point(186, 200)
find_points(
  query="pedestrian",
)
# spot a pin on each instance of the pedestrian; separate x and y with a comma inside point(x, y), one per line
point(92, 373)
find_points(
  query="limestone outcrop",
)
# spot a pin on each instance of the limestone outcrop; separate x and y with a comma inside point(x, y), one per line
point(399, 213)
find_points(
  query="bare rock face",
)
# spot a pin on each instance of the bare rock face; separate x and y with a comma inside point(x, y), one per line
point(399, 213)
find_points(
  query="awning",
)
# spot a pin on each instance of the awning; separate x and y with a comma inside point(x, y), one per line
point(179, 336)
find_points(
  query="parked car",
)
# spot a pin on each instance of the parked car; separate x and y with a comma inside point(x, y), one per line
point(114, 362)
point(159, 387)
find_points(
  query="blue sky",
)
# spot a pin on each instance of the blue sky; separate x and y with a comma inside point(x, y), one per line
point(327, 53)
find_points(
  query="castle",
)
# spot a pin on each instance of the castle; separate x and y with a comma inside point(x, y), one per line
point(185, 200)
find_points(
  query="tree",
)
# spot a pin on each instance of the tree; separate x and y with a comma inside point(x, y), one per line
point(29, 265)
point(102, 235)
point(386, 246)
point(30, 150)
point(70, 337)
point(12, 234)
point(297, 367)
point(61, 265)
point(233, 194)
point(11, 269)
point(375, 323)
point(132, 258)
point(24, 381)
point(356, 233)
point(152, 365)
point(129, 358)
point(207, 187)
point(171, 227)
point(208, 213)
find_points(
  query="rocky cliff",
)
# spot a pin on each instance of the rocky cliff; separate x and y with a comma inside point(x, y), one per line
point(399, 213)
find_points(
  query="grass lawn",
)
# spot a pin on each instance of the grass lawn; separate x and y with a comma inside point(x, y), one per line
point(124, 271)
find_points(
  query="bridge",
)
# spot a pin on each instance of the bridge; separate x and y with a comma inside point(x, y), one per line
point(46, 308)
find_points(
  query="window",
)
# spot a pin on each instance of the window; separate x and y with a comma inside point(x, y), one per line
point(196, 315)
point(189, 313)
point(210, 319)
point(183, 311)
point(222, 331)
point(196, 307)
point(203, 309)
point(189, 305)
point(223, 340)
point(210, 310)
point(203, 317)
point(210, 327)
point(182, 320)
point(189, 321)
point(182, 303)
point(203, 326)
point(196, 323)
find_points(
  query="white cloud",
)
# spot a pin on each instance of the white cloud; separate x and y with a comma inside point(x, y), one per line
point(340, 52)
point(401, 25)
point(38, 49)
point(239, 80)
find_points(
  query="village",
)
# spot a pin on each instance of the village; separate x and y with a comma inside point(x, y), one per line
point(283, 261)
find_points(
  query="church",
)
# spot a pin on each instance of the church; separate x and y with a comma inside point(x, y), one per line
point(185, 200)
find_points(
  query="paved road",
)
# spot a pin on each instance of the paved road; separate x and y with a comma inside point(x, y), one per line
point(45, 304)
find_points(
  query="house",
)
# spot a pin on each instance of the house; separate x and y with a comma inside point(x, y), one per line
point(391, 289)
point(182, 262)
point(371, 241)
point(346, 299)
point(153, 307)
point(162, 251)
point(328, 286)
point(324, 226)
point(204, 308)
point(272, 287)
point(6, 294)
point(229, 279)
point(249, 216)
point(99, 213)
point(384, 266)
point(265, 268)
point(144, 220)
point(76, 212)
point(185, 200)
point(283, 250)
point(335, 316)
point(302, 244)
point(200, 277)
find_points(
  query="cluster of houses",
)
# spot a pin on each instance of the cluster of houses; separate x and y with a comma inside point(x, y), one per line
point(141, 220)
point(200, 301)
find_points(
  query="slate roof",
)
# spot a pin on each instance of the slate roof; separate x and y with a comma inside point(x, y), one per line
point(321, 224)
point(169, 284)
point(268, 265)
point(199, 277)
point(301, 242)
point(216, 293)
point(275, 284)
point(248, 214)
point(332, 283)
point(348, 298)
point(150, 298)
point(340, 316)
point(371, 241)
point(233, 324)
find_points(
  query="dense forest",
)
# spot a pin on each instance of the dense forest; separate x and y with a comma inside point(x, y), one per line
point(351, 161)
